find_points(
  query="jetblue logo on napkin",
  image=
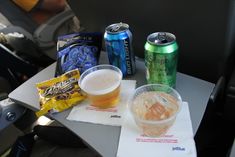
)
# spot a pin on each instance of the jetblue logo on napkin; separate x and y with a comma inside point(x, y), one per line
point(115, 116)
point(178, 149)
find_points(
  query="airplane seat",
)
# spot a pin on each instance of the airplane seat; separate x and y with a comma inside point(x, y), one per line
point(43, 35)
point(28, 42)
point(204, 31)
point(25, 49)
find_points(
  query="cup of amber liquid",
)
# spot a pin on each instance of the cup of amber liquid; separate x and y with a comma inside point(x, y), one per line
point(102, 84)
point(154, 108)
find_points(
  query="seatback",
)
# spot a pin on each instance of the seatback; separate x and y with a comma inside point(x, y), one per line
point(17, 16)
point(43, 35)
point(17, 20)
point(201, 28)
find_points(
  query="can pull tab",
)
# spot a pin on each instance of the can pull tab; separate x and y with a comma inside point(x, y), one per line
point(162, 37)
point(116, 27)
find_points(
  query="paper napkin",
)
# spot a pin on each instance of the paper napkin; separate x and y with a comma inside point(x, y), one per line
point(84, 112)
point(178, 141)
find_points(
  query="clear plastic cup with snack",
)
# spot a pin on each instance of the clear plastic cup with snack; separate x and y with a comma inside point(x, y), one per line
point(154, 108)
point(102, 85)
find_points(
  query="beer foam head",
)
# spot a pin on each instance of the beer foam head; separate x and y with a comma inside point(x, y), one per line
point(101, 81)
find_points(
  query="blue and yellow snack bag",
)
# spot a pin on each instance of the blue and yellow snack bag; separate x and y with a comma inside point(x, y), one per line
point(78, 51)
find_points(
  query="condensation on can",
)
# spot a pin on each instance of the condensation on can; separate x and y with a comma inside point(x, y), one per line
point(161, 57)
point(118, 43)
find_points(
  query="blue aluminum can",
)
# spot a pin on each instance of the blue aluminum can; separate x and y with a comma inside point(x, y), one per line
point(118, 43)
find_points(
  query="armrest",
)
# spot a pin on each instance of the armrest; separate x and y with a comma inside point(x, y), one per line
point(214, 101)
point(231, 84)
point(219, 87)
point(45, 33)
point(229, 107)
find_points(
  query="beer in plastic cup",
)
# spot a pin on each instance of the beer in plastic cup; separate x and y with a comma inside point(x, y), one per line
point(102, 85)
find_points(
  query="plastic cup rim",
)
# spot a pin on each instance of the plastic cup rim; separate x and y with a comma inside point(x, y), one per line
point(86, 72)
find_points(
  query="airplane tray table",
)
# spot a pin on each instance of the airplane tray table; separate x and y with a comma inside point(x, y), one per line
point(104, 139)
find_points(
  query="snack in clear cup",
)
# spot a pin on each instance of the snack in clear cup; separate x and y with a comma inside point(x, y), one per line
point(102, 85)
point(154, 108)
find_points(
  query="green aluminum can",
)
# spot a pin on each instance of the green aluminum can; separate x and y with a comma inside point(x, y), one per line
point(161, 57)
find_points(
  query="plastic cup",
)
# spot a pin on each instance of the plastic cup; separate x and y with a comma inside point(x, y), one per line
point(154, 108)
point(102, 85)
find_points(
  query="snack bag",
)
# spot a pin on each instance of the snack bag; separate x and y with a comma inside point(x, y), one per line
point(59, 93)
point(78, 50)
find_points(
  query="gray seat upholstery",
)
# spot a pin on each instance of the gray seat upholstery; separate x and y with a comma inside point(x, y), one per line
point(45, 35)
point(38, 46)
point(10, 10)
